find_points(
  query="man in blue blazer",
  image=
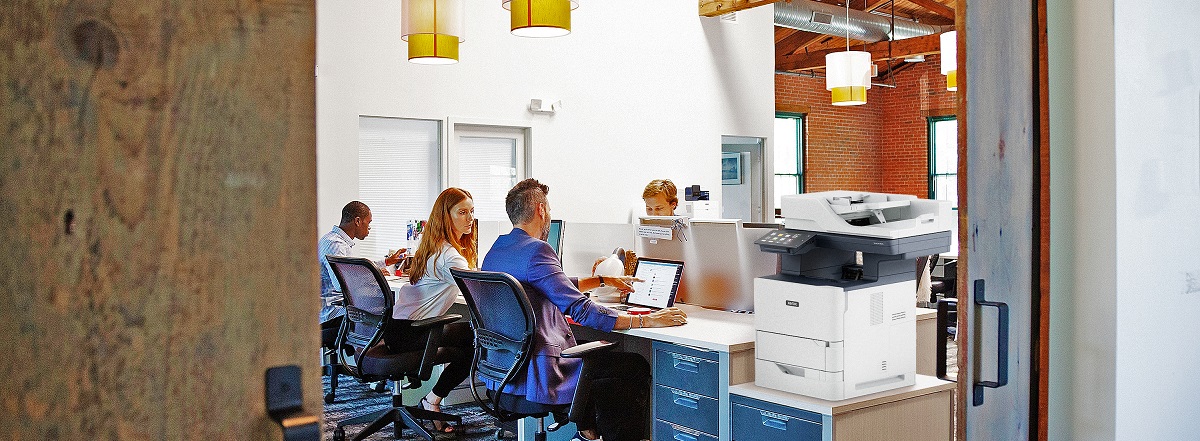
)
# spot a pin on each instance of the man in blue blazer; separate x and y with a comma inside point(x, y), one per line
point(622, 404)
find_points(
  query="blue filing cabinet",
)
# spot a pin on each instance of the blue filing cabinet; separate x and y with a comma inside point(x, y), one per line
point(687, 386)
point(757, 420)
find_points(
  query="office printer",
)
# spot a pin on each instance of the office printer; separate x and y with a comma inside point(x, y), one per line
point(838, 320)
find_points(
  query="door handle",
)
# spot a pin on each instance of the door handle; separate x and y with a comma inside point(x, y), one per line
point(1001, 345)
point(944, 307)
point(285, 404)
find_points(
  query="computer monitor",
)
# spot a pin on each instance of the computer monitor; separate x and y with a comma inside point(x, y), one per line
point(555, 237)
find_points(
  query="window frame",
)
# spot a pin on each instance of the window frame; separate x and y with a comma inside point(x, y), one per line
point(801, 152)
point(931, 141)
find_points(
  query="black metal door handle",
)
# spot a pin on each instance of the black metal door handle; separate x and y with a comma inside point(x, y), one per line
point(1001, 345)
point(285, 404)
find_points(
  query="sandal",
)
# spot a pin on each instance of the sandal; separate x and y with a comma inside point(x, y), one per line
point(438, 426)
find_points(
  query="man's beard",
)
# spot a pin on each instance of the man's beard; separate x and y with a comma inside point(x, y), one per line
point(545, 232)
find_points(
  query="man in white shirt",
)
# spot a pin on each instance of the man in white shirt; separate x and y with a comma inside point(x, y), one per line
point(355, 224)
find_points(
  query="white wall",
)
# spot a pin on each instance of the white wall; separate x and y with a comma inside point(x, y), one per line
point(1125, 180)
point(647, 87)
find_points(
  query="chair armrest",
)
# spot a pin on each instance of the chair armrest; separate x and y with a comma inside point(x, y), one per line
point(580, 351)
point(440, 320)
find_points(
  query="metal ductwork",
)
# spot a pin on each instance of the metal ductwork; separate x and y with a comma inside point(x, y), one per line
point(821, 18)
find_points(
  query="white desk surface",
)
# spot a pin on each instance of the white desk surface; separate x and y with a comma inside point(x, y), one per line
point(707, 329)
point(926, 313)
point(925, 385)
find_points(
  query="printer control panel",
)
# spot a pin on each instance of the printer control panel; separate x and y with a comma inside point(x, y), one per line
point(784, 241)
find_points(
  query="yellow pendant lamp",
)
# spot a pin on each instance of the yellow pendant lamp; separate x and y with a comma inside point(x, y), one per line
point(949, 48)
point(847, 77)
point(540, 18)
point(433, 30)
point(848, 74)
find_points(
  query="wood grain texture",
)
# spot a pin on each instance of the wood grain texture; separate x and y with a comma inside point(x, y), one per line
point(1043, 343)
point(178, 138)
point(1001, 156)
point(713, 8)
point(921, 418)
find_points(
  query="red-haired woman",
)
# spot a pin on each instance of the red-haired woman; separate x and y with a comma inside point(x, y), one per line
point(448, 242)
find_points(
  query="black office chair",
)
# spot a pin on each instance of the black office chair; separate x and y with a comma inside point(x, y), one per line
point(939, 287)
point(503, 339)
point(333, 368)
point(369, 303)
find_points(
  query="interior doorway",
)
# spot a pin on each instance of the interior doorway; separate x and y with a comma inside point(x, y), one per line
point(742, 178)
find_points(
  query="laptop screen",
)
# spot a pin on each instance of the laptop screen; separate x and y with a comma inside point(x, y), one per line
point(555, 236)
point(659, 285)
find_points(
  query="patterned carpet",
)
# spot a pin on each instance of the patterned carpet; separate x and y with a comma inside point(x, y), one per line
point(354, 398)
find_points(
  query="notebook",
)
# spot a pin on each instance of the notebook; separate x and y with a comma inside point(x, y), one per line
point(659, 285)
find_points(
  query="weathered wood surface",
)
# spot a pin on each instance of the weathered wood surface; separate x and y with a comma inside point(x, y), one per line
point(156, 191)
point(998, 164)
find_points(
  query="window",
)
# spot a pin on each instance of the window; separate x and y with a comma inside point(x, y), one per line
point(487, 161)
point(401, 171)
point(789, 155)
point(943, 159)
point(399, 177)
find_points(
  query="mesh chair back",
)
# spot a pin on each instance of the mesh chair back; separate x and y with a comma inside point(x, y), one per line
point(504, 325)
point(368, 302)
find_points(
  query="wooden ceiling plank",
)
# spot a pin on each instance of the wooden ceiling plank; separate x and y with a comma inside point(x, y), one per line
point(936, 8)
point(928, 44)
point(794, 42)
point(782, 33)
point(713, 8)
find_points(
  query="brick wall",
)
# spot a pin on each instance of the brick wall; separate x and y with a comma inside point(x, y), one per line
point(881, 146)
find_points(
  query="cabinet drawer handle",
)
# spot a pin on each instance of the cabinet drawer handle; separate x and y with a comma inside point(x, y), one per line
point(680, 436)
point(774, 423)
point(687, 366)
point(687, 402)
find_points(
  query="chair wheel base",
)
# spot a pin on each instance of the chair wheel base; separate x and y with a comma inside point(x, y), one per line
point(339, 434)
point(330, 397)
point(380, 386)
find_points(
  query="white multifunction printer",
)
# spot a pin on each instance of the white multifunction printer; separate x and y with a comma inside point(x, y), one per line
point(838, 321)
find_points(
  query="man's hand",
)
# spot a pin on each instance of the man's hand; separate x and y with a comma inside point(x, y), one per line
point(395, 257)
point(624, 284)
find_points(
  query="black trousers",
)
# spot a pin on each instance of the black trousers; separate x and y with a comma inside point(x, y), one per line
point(620, 397)
point(456, 350)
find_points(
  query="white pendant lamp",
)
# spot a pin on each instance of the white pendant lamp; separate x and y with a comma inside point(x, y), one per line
point(433, 29)
point(949, 48)
point(540, 18)
point(847, 77)
point(848, 74)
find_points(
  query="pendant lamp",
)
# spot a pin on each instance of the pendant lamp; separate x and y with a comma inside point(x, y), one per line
point(847, 77)
point(950, 59)
point(540, 18)
point(433, 29)
point(848, 74)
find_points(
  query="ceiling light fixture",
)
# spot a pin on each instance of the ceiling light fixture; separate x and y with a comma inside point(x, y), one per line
point(540, 18)
point(433, 29)
point(949, 48)
point(848, 74)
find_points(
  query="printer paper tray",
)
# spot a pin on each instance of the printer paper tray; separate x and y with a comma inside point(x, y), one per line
point(798, 351)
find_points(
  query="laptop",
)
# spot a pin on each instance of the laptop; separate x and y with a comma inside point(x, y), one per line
point(659, 285)
point(555, 237)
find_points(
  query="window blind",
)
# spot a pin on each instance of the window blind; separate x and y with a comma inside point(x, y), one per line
point(487, 169)
point(399, 163)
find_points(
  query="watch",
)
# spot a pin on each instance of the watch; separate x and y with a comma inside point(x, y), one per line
point(601, 280)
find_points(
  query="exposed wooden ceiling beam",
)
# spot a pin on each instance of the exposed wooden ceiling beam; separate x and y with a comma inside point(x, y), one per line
point(928, 44)
point(782, 32)
point(713, 8)
point(795, 41)
point(936, 8)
